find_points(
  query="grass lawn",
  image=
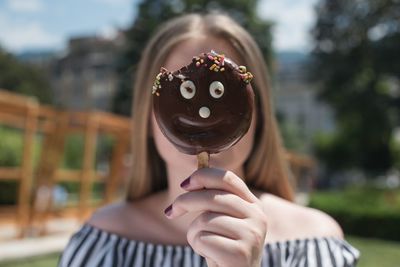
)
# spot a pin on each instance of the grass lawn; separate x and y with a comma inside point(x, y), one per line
point(374, 253)
point(42, 261)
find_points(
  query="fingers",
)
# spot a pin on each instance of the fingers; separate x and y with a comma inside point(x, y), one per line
point(217, 248)
point(211, 200)
point(221, 224)
point(251, 231)
point(211, 178)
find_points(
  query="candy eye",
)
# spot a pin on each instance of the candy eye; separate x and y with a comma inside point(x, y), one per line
point(188, 89)
point(216, 89)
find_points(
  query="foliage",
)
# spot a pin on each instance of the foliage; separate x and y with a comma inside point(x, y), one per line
point(292, 135)
point(395, 147)
point(73, 152)
point(153, 13)
point(8, 191)
point(11, 144)
point(357, 63)
point(364, 212)
point(23, 78)
point(11, 147)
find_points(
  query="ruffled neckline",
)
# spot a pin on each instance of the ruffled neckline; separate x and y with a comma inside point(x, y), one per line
point(95, 230)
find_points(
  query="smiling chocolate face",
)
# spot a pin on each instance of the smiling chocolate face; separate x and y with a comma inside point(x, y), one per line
point(205, 106)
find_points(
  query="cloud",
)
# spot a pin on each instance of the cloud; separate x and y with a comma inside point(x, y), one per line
point(25, 5)
point(108, 32)
point(293, 19)
point(17, 36)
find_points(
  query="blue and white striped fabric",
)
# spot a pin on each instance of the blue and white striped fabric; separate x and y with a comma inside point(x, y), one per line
point(93, 247)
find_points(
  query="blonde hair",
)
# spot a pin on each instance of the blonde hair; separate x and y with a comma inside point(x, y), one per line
point(266, 168)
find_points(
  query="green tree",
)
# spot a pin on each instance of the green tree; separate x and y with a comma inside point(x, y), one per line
point(152, 13)
point(24, 79)
point(356, 61)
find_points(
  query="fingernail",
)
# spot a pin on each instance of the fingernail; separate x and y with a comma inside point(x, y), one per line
point(185, 183)
point(168, 210)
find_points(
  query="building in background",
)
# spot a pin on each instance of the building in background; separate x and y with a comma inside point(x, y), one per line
point(296, 101)
point(85, 77)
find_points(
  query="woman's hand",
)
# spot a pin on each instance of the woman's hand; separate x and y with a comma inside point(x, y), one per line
point(232, 226)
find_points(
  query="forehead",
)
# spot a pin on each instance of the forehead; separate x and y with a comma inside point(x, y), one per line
point(183, 52)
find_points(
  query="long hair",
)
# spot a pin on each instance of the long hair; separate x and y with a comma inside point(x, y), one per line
point(266, 167)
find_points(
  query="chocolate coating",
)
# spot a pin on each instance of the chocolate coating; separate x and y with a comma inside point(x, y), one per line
point(205, 106)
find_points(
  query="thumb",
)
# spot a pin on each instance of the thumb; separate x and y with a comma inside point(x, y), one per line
point(211, 263)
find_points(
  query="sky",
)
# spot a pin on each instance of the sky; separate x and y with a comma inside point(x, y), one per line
point(47, 24)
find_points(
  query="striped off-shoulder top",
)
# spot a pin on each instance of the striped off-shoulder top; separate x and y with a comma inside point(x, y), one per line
point(93, 247)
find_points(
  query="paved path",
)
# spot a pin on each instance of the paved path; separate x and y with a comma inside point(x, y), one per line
point(59, 233)
point(31, 247)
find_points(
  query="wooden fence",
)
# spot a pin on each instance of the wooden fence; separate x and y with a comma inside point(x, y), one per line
point(34, 196)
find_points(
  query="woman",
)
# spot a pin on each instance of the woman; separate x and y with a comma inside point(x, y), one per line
point(237, 213)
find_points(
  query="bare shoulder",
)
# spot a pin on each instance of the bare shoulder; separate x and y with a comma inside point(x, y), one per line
point(139, 220)
point(291, 221)
point(113, 217)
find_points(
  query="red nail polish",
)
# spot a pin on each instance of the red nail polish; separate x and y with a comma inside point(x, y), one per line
point(168, 210)
point(185, 183)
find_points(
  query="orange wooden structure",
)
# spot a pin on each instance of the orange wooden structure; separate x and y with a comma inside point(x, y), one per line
point(25, 113)
point(20, 112)
point(90, 124)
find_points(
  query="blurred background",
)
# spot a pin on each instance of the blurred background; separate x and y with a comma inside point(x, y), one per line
point(66, 69)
